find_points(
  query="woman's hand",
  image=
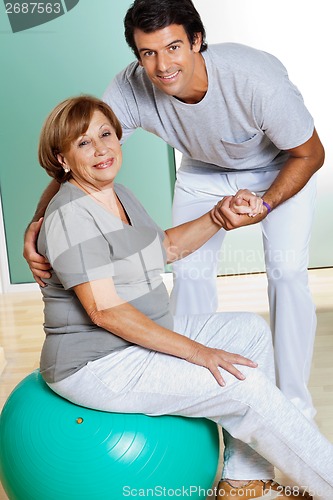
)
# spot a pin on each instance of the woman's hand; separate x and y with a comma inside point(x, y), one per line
point(246, 202)
point(39, 265)
point(224, 216)
point(212, 359)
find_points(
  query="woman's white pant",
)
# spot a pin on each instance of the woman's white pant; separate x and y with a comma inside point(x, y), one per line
point(266, 428)
point(286, 234)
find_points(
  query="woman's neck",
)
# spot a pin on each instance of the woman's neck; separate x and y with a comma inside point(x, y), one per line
point(106, 197)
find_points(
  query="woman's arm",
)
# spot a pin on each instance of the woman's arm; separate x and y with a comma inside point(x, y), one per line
point(179, 241)
point(107, 310)
point(184, 239)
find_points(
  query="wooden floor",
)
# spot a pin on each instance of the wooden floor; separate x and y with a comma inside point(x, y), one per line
point(21, 335)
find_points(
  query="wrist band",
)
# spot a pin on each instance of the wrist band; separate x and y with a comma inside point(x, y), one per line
point(269, 208)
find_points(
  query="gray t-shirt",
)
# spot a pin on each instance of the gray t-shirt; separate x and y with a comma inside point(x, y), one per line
point(85, 242)
point(250, 113)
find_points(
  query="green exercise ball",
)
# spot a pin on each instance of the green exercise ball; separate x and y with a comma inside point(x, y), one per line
point(51, 449)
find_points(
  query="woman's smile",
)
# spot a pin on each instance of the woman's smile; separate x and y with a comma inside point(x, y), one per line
point(105, 164)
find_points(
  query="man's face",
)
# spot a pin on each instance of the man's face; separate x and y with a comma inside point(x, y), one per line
point(169, 59)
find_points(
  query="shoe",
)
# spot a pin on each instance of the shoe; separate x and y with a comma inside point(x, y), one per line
point(266, 490)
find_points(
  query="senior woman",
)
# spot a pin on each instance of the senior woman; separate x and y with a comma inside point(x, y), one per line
point(111, 342)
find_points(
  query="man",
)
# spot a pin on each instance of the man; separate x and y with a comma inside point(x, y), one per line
point(240, 124)
point(243, 129)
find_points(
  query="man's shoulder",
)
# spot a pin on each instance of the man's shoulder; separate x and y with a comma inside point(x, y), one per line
point(244, 59)
point(131, 85)
point(132, 75)
point(234, 51)
point(228, 47)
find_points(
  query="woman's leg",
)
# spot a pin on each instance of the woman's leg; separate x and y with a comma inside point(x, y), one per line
point(253, 411)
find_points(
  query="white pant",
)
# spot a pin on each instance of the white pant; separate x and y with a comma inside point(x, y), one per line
point(286, 235)
point(253, 411)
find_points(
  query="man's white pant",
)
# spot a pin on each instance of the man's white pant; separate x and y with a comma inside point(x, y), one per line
point(286, 234)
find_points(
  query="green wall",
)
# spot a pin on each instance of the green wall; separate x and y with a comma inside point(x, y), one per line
point(79, 52)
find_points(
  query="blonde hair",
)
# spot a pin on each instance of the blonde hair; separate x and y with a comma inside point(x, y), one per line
point(66, 122)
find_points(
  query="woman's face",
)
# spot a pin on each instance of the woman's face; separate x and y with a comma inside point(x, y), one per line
point(95, 157)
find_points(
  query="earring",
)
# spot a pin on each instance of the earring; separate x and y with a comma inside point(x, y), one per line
point(66, 170)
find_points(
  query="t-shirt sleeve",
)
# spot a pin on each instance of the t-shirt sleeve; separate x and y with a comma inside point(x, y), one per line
point(76, 248)
point(119, 97)
point(284, 117)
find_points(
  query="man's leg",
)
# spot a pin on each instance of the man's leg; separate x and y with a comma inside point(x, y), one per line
point(286, 235)
point(194, 289)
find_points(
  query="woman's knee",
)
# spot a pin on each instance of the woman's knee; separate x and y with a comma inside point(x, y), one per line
point(257, 326)
point(252, 335)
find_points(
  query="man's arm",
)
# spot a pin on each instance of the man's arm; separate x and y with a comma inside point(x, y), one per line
point(45, 199)
point(302, 164)
point(38, 264)
point(304, 161)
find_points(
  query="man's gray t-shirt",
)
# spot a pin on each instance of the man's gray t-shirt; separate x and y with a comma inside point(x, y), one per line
point(85, 242)
point(250, 113)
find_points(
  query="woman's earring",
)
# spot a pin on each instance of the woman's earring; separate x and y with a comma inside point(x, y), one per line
point(66, 170)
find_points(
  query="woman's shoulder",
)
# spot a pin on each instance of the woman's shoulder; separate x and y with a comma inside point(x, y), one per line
point(130, 200)
point(67, 196)
point(126, 194)
point(70, 207)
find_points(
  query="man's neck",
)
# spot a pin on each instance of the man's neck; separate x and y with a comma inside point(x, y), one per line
point(200, 83)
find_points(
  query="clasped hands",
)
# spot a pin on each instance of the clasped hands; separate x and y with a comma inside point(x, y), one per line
point(242, 209)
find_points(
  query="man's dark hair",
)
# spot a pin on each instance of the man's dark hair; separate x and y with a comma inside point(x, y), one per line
point(152, 15)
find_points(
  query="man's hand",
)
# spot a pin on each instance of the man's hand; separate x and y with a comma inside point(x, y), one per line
point(40, 267)
point(224, 214)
